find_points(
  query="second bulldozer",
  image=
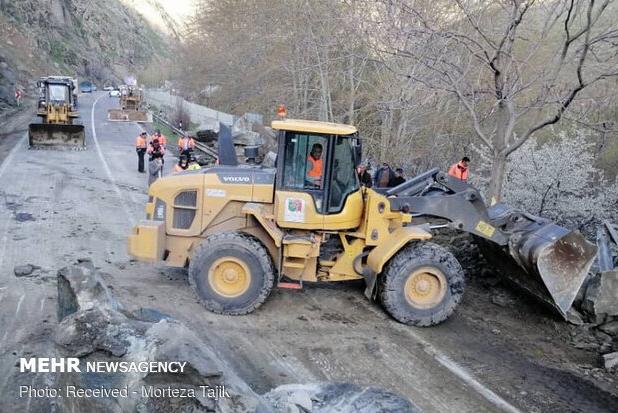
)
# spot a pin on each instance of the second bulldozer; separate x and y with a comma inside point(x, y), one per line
point(57, 109)
point(242, 229)
point(131, 110)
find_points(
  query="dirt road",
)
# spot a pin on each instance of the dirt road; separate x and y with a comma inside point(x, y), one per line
point(58, 206)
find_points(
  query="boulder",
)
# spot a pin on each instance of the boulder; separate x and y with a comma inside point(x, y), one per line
point(339, 397)
point(95, 327)
point(25, 270)
point(601, 296)
point(80, 287)
point(610, 360)
point(610, 328)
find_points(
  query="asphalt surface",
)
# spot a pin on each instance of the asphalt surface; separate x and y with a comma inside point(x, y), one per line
point(58, 206)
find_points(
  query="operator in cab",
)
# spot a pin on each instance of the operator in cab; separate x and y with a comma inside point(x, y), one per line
point(314, 166)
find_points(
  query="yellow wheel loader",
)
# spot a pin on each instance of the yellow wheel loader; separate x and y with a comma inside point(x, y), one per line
point(57, 108)
point(131, 110)
point(243, 229)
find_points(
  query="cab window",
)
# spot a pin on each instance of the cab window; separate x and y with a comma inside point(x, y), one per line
point(344, 179)
point(305, 161)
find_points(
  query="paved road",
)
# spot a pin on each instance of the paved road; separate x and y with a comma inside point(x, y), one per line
point(57, 206)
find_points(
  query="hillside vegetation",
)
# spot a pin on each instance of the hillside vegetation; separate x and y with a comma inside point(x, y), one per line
point(95, 40)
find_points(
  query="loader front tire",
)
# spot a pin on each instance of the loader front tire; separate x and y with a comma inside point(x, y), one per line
point(231, 273)
point(422, 284)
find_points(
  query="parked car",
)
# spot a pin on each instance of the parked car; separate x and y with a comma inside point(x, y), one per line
point(108, 88)
point(86, 87)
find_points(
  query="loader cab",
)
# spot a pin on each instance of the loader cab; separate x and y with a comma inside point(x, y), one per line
point(317, 185)
point(56, 91)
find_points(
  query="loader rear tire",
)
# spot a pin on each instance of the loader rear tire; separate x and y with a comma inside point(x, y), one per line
point(422, 284)
point(232, 273)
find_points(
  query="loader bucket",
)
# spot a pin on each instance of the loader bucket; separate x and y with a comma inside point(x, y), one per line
point(56, 135)
point(554, 260)
point(128, 115)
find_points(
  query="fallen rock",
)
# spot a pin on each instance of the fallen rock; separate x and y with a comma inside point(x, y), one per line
point(610, 328)
point(601, 296)
point(502, 299)
point(574, 317)
point(81, 288)
point(339, 397)
point(269, 159)
point(95, 327)
point(610, 360)
point(583, 339)
point(25, 270)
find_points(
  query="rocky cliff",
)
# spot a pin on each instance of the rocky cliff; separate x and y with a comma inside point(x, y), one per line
point(101, 41)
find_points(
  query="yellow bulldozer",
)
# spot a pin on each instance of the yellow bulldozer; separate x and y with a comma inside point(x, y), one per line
point(131, 106)
point(243, 229)
point(57, 107)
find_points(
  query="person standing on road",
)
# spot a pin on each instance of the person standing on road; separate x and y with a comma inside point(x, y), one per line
point(140, 148)
point(186, 145)
point(460, 169)
point(155, 150)
point(155, 166)
point(162, 138)
point(18, 96)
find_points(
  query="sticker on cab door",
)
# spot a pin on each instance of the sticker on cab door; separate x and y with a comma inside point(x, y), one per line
point(294, 210)
point(219, 193)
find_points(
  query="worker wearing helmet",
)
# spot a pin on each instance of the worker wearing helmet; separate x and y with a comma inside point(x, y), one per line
point(186, 145)
point(315, 166)
point(140, 148)
point(162, 138)
point(155, 150)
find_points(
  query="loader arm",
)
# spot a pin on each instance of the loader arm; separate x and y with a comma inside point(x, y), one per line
point(555, 261)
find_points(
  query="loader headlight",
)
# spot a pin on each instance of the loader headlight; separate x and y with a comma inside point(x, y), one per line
point(159, 210)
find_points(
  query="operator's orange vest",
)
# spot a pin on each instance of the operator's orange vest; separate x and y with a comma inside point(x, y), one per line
point(316, 167)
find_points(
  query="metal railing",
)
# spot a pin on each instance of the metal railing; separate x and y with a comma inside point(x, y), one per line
point(198, 145)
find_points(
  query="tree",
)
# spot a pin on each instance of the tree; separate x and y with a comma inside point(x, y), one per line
point(515, 66)
point(559, 180)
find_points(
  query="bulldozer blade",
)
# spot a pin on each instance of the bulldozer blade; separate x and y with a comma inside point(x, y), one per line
point(41, 135)
point(550, 262)
point(119, 115)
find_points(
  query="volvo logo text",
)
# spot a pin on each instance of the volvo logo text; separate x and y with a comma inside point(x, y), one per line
point(236, 179)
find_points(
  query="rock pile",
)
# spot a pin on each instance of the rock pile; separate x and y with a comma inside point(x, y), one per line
point(95, 327)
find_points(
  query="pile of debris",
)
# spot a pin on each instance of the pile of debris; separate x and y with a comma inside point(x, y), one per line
point(95, 327)
point(594, 314)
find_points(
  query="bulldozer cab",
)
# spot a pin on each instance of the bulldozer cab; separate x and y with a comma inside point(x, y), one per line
point(317, 185)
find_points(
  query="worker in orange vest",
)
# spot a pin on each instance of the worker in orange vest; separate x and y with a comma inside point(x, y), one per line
point(162, 138)
point(186, 145)
point(314, 166)
point(140, 148)
point(460, 169)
